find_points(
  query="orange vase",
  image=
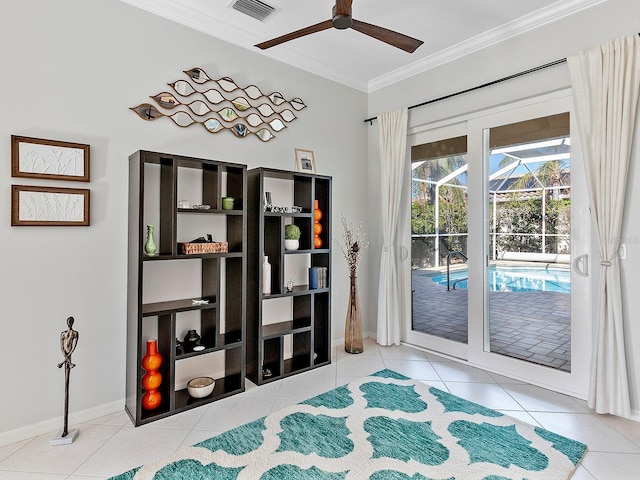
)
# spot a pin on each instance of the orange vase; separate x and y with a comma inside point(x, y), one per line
point(152, 379)
point(317, 228)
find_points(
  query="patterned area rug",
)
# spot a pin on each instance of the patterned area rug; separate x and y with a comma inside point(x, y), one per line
point(382, 427)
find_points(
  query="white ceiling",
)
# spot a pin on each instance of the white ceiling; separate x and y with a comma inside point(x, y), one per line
point(449, 28)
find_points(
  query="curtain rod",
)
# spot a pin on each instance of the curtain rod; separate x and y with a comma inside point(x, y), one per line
point(500, 80)
point(478, 87)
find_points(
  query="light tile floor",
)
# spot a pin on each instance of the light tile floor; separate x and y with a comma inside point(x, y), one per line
point(110, 445)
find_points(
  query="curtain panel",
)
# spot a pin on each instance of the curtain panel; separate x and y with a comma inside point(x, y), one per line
point(393, 147)
point(605, 84)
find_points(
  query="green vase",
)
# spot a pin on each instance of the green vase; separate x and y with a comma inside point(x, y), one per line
point(150, 247)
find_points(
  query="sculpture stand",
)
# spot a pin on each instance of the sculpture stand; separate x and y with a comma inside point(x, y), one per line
point(60, 440)
point(68, 343)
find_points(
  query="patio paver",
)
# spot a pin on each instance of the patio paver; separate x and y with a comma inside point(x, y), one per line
point(532, 326)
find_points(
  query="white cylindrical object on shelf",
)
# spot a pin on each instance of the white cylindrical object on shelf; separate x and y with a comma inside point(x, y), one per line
point(266, 276)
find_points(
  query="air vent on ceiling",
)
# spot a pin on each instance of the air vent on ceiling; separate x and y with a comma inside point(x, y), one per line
point(254, 8)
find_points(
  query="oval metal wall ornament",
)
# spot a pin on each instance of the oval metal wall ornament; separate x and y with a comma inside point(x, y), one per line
point(183, 119)
point(249, 111)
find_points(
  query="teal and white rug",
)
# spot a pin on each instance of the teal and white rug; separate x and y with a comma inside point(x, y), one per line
point(382, 427)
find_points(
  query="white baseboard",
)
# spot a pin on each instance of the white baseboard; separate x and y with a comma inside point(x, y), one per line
point(53, 424)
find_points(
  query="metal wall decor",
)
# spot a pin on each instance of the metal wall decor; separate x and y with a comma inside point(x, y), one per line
point(220, 104)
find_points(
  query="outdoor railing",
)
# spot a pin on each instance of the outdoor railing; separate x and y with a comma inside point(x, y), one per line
point(449, 255)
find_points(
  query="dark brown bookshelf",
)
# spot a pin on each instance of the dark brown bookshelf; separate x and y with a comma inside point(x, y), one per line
point(155, 180)
point(307, 333)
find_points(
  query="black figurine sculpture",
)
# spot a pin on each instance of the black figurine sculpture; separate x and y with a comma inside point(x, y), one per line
point(68, 343)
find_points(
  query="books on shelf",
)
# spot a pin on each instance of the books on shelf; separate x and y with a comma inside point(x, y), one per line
point(318, 277)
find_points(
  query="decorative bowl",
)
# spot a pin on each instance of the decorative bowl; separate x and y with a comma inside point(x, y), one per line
point(200, 387)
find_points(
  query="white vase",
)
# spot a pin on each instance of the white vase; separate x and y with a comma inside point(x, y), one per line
point(291, 244)
point(266, 276)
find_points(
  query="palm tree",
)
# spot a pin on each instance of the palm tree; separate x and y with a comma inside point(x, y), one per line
point(435, 169)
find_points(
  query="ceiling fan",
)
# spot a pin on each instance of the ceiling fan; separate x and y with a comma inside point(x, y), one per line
point(342, 20)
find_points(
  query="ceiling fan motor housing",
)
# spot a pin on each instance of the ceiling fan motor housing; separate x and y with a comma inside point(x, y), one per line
point(341, 21)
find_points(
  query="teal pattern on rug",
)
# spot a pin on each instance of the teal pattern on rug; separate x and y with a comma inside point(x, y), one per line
point(500, 445)
point(405, 440)
point(190, 469)
point(392, 397)
point(237, 441)
point(337, 399)
point(305, 433)
point(572, 449)
point(382, 427)
point(392, 475)
point(457, 404)
point(294, 472)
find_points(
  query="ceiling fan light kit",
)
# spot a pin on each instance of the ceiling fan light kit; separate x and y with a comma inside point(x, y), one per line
point(342, 20)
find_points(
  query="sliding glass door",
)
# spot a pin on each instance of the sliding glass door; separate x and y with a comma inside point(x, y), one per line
point(498, 215)
point(438, 225)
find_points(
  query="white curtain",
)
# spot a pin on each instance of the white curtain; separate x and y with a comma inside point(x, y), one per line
point(605, 84)
point(393, 147)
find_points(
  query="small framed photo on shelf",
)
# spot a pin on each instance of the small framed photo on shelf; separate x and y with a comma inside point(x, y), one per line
point(49, 206)
point(305, 161)
point(50, 159)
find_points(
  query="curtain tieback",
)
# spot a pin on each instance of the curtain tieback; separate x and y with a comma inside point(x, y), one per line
point(605, 264)
point(386, 248)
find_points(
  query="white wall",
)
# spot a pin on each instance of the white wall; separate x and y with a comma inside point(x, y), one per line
point(70, 71)
point(560, 39)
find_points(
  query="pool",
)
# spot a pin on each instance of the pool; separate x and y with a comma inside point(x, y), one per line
point(515, 279)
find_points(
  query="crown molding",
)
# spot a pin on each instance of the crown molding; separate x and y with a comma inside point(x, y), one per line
point(526, 23)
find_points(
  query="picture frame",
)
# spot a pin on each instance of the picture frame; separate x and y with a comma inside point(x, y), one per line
point(49, 206)
point(50, 159)
point(305, 161)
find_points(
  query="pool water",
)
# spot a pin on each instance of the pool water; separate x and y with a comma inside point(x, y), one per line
point(515, 279)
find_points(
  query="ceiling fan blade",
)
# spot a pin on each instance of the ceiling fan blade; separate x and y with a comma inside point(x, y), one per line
point(318, 27)
point(398, 40)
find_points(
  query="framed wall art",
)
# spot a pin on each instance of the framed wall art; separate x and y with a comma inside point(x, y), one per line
point(50, 159)
point(305, 161)
point(49, 206)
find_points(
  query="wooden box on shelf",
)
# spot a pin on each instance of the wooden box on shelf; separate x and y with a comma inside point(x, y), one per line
point(178, 289)
point(188, 248)
point(299, 338)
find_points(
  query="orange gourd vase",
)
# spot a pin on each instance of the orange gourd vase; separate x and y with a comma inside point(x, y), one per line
point(152, 379)
point(317, 228)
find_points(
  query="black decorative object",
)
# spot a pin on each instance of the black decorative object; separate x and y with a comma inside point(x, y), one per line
point(191, 341)
point(68, 343)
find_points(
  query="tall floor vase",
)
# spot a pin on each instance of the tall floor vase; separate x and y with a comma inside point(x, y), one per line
point(353, 325)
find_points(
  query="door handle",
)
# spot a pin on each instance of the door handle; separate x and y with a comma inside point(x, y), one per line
point(581, 265)
point(404, 252)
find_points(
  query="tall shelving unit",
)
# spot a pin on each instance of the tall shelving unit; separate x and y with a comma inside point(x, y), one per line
point(288, 332)
point(161, 288)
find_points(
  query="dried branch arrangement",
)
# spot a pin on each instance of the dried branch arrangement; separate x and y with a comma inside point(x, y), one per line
point(354, 245)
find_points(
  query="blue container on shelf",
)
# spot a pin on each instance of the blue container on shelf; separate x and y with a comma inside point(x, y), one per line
point(313, 278)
